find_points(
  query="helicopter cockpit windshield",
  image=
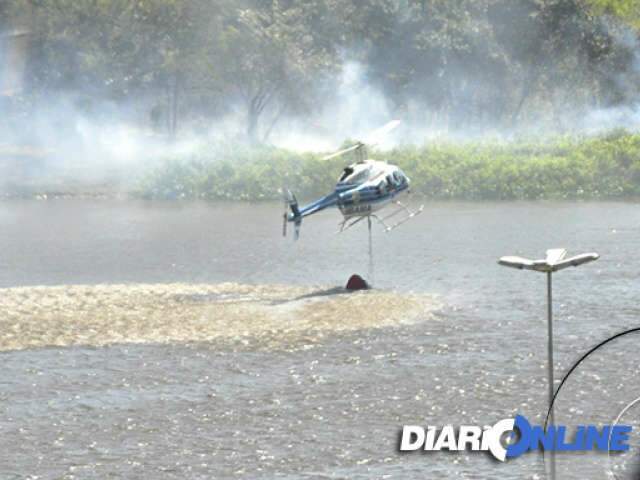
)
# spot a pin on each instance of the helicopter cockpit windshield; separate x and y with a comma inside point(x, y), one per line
point(345, 173)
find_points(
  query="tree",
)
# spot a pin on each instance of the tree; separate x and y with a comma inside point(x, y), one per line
point(463, 64)
point(273, 61)
point(123, 49)
point(626, 10)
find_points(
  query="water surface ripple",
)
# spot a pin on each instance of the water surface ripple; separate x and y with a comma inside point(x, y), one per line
point(314, 403)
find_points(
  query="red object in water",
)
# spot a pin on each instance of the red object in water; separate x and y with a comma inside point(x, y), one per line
point(356, 282)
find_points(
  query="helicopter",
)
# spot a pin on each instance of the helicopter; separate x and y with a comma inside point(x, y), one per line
point(363, 188)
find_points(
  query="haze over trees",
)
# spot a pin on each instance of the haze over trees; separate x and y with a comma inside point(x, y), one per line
point(460, 65)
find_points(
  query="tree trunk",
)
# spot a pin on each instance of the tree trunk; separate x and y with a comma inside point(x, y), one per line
point(527, 89)
point(256, 107)
point(253, 115)
point(265, 137)
point(173, 112)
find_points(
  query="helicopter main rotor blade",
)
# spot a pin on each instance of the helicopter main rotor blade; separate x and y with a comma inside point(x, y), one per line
point(373, 138)
point(376, 136)
point(343, 151)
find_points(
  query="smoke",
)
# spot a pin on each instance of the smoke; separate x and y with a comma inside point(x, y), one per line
point(354, 108)
point(600, 120)
point(625, 115)
point(62, 145)
point(82, 138)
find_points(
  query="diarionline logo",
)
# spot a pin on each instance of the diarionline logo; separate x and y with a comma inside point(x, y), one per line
point(511, 437)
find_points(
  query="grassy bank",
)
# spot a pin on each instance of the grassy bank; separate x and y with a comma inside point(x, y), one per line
point(606, 166)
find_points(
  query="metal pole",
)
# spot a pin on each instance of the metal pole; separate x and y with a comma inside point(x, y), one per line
point(550, 367)
point(370, 252)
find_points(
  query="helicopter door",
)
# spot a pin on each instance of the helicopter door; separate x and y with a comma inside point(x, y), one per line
point(390, 183)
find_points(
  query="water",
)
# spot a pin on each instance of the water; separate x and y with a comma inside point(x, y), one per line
point(186, 392)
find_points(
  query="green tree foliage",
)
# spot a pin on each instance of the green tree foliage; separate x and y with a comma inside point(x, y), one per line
point(273, 57)
point(460, 64)
point(626, 10)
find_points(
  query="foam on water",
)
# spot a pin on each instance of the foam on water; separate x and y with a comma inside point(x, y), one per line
point(267, 315)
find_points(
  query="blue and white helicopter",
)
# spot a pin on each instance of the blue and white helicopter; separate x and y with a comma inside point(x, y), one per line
point(364, 188)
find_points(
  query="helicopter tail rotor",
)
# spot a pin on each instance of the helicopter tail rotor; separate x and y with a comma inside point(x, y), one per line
point(290, 202)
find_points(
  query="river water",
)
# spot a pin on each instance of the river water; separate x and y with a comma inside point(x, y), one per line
point(125, 356)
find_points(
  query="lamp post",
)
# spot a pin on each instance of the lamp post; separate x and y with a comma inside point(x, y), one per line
point(554, 261)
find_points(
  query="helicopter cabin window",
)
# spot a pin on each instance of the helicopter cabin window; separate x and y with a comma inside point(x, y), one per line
point(347, 171)
point(359, 176)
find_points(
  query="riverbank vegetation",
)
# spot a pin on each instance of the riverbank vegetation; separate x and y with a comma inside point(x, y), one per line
point(602, 167)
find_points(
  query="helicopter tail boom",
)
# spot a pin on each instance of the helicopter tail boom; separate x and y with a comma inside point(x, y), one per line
point(297, 213)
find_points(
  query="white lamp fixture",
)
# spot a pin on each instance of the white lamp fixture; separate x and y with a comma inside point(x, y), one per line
point(554, 262)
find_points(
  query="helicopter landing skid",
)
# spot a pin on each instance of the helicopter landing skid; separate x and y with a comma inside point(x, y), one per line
point(409, 214)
